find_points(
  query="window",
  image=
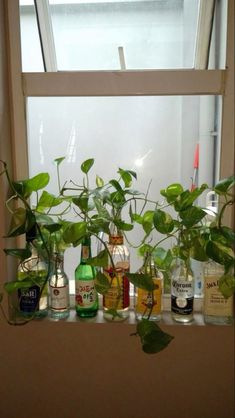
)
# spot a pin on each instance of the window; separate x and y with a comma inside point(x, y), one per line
point(157, 76)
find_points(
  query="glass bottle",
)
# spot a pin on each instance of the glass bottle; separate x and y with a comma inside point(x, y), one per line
point(148, 305)
point(58, 288)
point(182, 292)
point(217, 310)
point(33, 269)
point(86, 299)
point(117, 298)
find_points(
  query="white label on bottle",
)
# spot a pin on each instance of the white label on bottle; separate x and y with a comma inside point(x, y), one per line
point(59, 297)
point(85, 293)
point(214, 302)
point(182, 289)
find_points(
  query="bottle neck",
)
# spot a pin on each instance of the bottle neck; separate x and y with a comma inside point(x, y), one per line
point(58, 261)
point(86, 249)
point(149, 265)
point(115, 236)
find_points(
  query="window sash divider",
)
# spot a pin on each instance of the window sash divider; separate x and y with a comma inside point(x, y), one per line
point(124, 83)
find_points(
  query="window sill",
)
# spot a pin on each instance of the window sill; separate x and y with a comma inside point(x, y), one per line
point(165, 320)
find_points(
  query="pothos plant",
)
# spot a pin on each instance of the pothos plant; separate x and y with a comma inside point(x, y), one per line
point(24, 219)
point(98, 207)
point(196, 238)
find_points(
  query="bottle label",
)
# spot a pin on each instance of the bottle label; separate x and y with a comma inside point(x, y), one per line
point(182, 297)
point(117, 296)
point(85, 252)
point(86, 294)
point(146, 302)
point(214, 302)
point(28, 298)
point(59, 297)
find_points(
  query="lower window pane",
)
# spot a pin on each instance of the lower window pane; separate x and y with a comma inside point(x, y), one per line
point(154, 136)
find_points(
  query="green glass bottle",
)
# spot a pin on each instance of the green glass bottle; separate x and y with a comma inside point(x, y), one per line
point(86, 298)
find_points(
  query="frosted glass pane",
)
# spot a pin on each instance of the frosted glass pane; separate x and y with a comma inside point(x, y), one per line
point(153, 34)
point(154, 136)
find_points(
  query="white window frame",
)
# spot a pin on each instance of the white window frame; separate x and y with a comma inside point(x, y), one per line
point(116, 83)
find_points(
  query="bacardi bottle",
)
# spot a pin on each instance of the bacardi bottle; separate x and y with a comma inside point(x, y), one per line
point(86, 295)
point(217, 309)
point(182, 292)
point(33, 300)
point(116, 301)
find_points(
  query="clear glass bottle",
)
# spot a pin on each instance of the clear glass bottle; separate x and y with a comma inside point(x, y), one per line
point(33, 269)
point(217, 310)
point(182, 292)
point(86, 299)
point(58, 288)
point(117, 298)
point(148, 305)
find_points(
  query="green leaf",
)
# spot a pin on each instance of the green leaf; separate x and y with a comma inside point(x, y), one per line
point(53, 227)
point(30, 220)
point(227, 285)
point(163, 222)
point(74, 232)
point(192, 216)
point(13, 286)
point(219, 252)
point(58, 161)
point(103, 213)
point(21, 253)
point(162, 258)
point(126, 176)
point(224, 185)
point(147, 221)
point(187, 198)
point(174, 189)
point(102, 283)
point(43, 219)
point(101, 260)
point(86, 165)
point(123, 226)
point(143, 281)
point(113, 313)
point(18, 221)
point(98, 225)
point(48, 200)
point(137, 218)
point(153, 339)
point(81, 202)
point(20, 187)
point(99, 181)
point(117, 186)
point(223, 234)
point(197, 249)
point(37, 182)
point(143, 249)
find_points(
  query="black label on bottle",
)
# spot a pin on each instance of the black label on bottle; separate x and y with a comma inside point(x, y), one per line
point(28, 298)
point(181, 305)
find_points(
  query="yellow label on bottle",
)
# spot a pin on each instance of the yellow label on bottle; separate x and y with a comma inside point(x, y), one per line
point(117, 296)
point(150, 300)
point(214, 302)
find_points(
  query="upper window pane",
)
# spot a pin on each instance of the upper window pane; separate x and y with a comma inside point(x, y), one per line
point(30, 43)
point(114, 34)
point(152, 34)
